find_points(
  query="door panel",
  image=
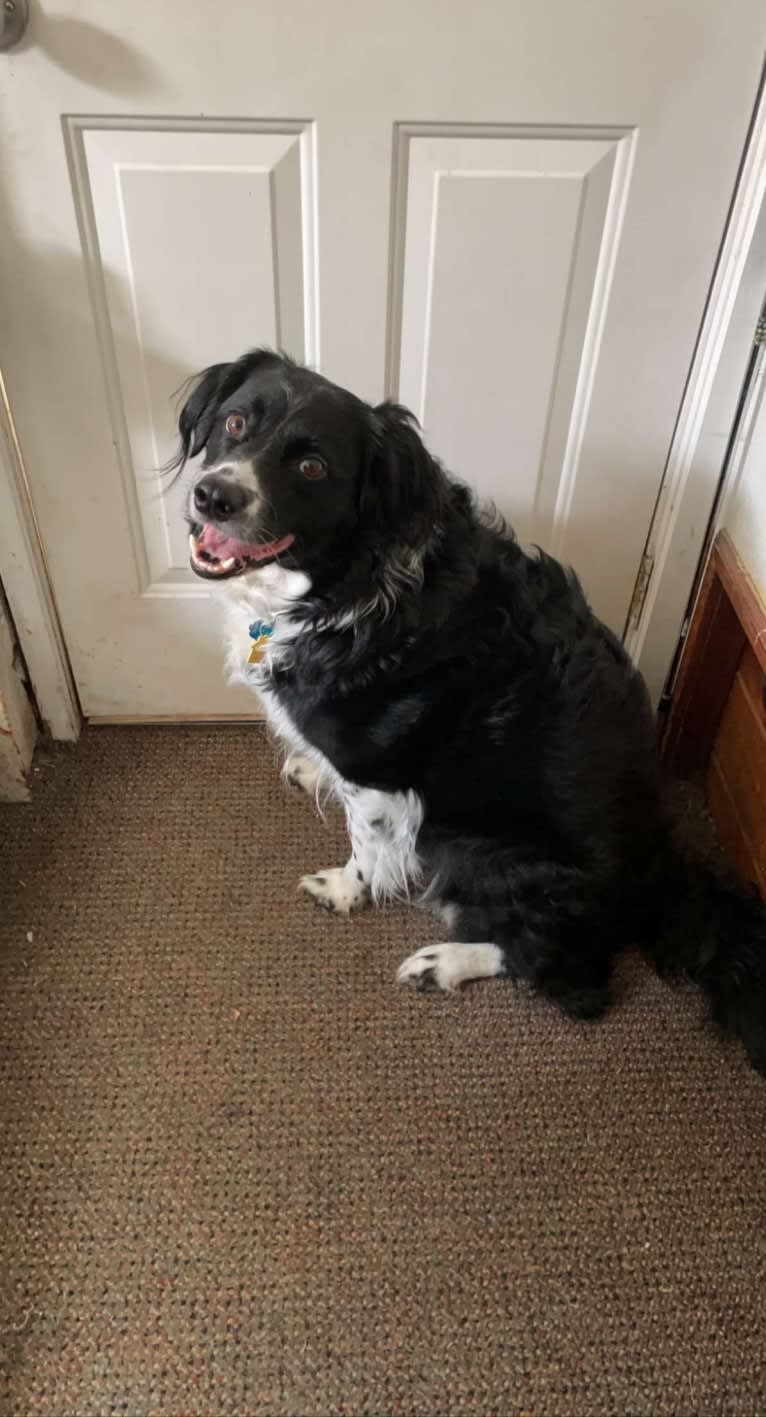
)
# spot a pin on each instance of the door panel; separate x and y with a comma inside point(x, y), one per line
point(508, 249)
point(508, 217)
point(146, 196)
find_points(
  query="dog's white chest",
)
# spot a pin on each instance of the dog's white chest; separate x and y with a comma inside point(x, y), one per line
point(265, 599)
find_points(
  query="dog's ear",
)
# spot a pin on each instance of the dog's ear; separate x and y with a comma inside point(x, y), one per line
point(196, 417)
point(400, 481)
point(208, 390)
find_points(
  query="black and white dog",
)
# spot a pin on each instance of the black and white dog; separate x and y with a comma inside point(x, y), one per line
point(489, 739)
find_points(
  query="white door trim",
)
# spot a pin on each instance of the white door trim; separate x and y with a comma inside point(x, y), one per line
point(688, 491)
point(28, 590)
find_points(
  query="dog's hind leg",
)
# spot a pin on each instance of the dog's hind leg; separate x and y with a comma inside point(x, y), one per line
point(579, 985)
point(578, 979)
point(551, 925)
point(449, 965)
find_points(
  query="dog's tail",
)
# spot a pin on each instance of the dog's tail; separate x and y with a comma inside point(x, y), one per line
point(713, 930)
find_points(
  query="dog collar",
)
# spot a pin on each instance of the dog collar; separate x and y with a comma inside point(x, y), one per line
point(260, 633)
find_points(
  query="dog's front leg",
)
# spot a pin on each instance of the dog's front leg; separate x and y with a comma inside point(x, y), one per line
point(339, 888)
point(383, 827)
point(303, 772)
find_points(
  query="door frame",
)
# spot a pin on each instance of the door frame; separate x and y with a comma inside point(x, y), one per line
point(689, 490)
point(676, 536)
point(29, 591)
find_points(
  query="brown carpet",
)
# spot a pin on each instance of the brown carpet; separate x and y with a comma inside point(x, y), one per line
point(242, 1173)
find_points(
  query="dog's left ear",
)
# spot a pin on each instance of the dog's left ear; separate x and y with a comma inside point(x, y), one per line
point(196, 417)
point(401, 480)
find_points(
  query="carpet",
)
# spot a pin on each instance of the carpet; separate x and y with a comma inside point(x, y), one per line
point(243, 1173)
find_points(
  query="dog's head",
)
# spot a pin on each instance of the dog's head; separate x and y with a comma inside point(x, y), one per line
point(294, 468)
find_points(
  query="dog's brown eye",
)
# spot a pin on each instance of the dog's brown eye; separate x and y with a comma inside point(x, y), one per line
point(235, 425)
point(312, 468)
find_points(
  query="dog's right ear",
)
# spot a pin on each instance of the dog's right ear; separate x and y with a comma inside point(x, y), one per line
point(196, 417)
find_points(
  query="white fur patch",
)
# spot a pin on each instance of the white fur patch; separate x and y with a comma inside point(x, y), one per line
point(301, 771)
point(383, 827)
point(241, 471)
point(269, 594)
point(338, 889)
point(402, 572)
point(266, 594)
point(448, 915)
point(448, 966)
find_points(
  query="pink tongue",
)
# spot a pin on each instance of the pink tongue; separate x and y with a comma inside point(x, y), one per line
point(225, 546)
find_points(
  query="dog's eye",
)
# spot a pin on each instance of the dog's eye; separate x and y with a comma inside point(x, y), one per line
point(313, 468)
point(235, 425)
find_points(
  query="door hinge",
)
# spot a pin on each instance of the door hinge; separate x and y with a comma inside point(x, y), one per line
point(640, 589)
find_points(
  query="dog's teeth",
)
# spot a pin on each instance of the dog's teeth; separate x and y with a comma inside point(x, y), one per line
point(228, 563)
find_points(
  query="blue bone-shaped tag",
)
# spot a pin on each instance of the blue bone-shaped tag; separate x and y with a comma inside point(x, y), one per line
point(260, 634)
point(259, 630)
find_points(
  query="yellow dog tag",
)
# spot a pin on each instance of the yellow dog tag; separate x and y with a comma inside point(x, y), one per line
point(260, 635)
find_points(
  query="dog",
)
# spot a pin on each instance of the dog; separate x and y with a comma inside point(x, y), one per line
point(490, 741)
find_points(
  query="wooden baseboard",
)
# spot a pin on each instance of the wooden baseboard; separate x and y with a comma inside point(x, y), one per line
point(129, 720)
point(717, 719)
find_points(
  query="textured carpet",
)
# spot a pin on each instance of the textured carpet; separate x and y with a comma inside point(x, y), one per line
point(242, 1173)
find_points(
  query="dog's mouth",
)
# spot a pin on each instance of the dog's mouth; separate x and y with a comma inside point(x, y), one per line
point(217, 556)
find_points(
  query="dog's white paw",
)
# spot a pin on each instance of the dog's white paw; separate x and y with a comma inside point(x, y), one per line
point(302, 772)
point(448, 966)
point(338, 889)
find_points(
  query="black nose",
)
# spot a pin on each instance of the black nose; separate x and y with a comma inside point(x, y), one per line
point(219, 497)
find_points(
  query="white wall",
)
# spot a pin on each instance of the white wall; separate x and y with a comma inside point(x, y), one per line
point(743, 511)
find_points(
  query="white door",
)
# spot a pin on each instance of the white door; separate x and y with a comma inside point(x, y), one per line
point(505, 214)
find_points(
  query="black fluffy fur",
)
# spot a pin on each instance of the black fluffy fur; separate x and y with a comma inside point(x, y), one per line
point(486, 685)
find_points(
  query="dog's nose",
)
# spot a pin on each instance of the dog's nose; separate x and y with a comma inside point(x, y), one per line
point(219, 497)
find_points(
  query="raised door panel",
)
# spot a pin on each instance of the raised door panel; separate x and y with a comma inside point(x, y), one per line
point(505, 241)
point(199, 246)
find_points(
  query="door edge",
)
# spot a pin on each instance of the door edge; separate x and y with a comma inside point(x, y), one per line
point(690, 482)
